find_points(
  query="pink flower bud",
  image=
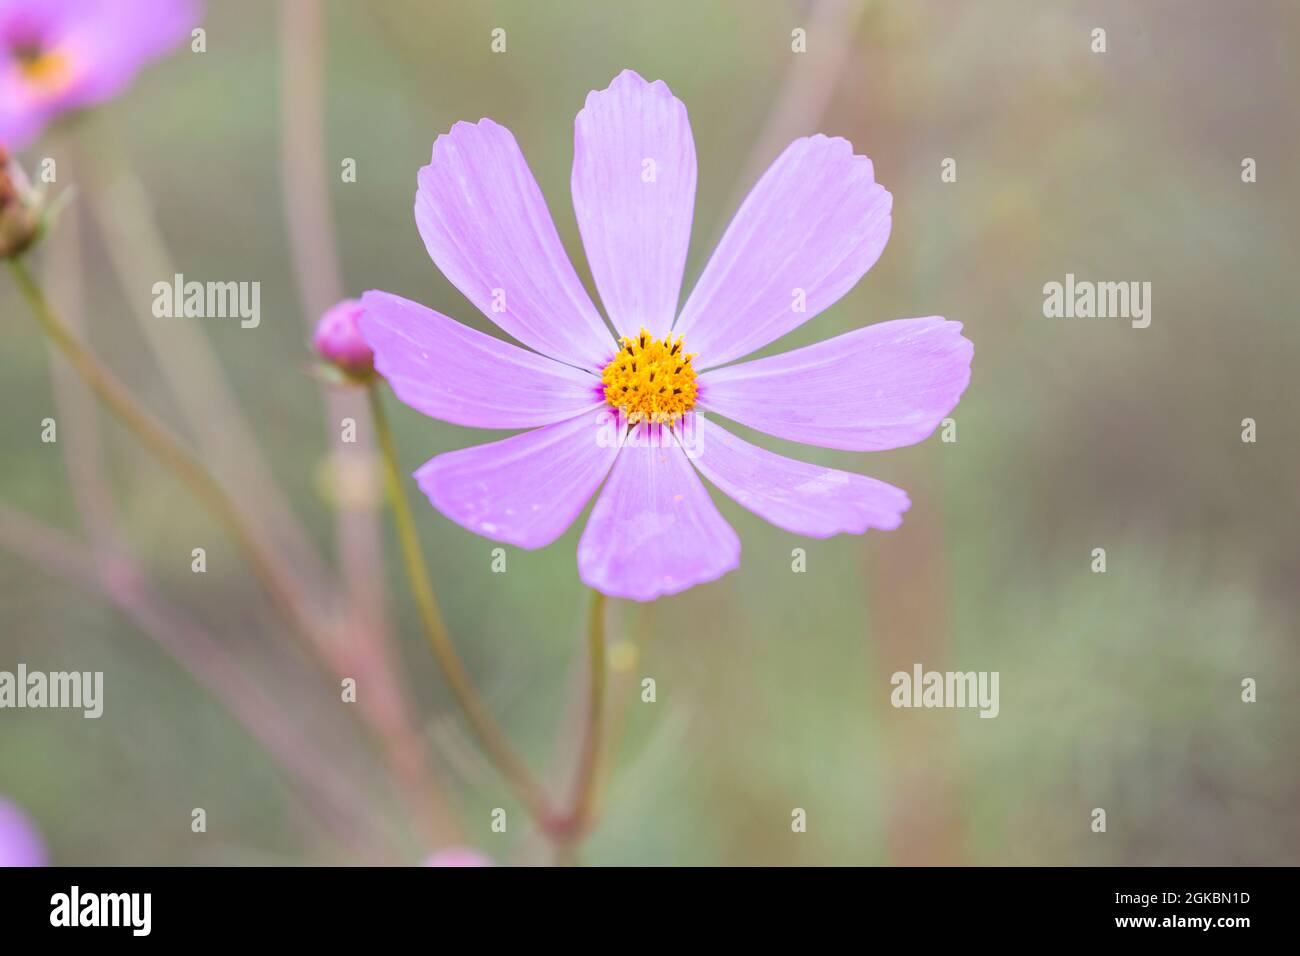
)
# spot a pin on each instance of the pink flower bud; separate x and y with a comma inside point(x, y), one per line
point(339, 341)
point(20, 209)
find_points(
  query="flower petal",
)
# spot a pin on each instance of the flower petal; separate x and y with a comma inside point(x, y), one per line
point(20, 120)
point(882, 386)
point(524, 490)
point(634, 195)
point(807, 232)
point(801, 498)
point(452, 372)
point(486, 226)
point(108, 43)
point(654, 529)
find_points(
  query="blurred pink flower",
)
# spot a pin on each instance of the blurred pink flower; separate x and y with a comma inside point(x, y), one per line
point(20, 844)
point(59, 55)
point(810, 228)
point(338, 340)
point(457, 856)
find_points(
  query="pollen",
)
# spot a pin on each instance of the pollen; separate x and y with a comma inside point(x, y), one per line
point(650, 379)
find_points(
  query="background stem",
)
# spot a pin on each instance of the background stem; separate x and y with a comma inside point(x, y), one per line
point(357, 494)
point(485, 728)
point(122, 207)
point(167, 449)
point(585, 781)
point(279, 584)
point(323, 785)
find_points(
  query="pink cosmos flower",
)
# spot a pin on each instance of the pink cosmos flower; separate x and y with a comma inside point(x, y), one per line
point(59, 55)
point(20, 844)
point(810, 228)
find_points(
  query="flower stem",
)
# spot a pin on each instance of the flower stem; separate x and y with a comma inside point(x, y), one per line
point(155, 436)
point(324, 789)
point(588, 773)
point(119, 202)
point(480, 719)
point(286, 596)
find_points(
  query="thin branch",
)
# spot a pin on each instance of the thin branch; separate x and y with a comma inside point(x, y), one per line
point(114, 575)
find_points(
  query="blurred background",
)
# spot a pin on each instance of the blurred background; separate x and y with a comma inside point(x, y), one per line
point(1119, 690)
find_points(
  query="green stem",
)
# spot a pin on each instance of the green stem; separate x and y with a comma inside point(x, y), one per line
point(588, 773)
point(480, 719)
point(279, 583)
point(155, 436)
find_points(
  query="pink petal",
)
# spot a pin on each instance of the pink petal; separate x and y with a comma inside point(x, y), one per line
point(801, 498)
point(635, 231)
point(112, 39)
point(487, 228)
point(450, 371)
point(654, 529)
point(811, 227)
point(524, 490)
point(21, 119)
point(881, 386)
point(20, 841)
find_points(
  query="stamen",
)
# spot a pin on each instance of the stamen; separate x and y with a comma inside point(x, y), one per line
point(663, 368)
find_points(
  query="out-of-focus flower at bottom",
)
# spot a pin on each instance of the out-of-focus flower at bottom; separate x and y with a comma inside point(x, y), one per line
point(457, 856)
point(20, 844)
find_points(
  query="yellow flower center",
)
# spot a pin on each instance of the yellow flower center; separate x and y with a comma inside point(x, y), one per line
point(650, 379)
point(47, 70)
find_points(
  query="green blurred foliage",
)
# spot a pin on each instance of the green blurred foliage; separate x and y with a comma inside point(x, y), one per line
point(1119, 690)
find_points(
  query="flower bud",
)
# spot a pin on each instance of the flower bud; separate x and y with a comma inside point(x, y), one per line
point(338, 340)
point(20, 209)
